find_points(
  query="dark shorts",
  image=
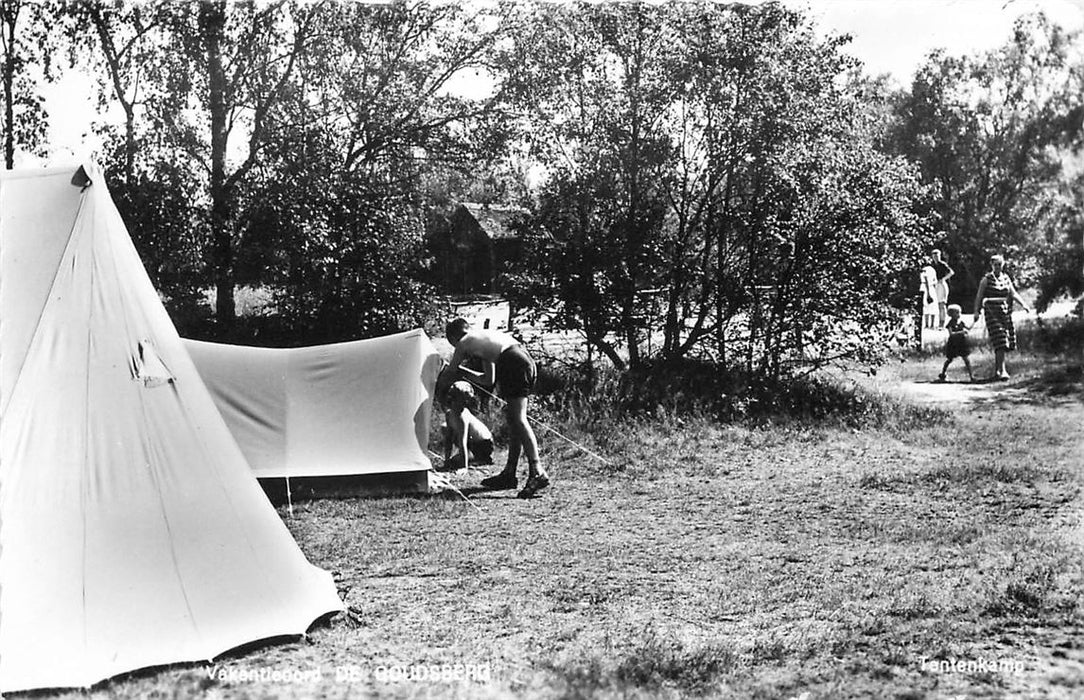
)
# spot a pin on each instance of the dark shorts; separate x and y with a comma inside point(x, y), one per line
point(957, 346)
point(516, 373)
point(481, 451)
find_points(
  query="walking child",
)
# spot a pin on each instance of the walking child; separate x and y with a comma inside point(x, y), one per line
point(957, 344)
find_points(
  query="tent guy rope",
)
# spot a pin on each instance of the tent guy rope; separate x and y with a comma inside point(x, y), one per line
point(448, 482)
point(551, 429)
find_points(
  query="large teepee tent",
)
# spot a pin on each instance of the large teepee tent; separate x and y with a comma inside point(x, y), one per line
point(132, 533)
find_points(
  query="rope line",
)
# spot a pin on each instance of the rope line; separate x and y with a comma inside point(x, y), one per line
point(551, 429)
point(453, 487)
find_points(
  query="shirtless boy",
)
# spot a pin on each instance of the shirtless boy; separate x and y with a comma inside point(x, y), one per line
point(506, 364)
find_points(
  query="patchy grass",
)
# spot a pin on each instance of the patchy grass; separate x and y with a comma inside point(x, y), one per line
point(695, 392)
point(764, 559)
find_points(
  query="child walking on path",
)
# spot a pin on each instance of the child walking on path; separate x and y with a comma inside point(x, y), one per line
point(957, 344)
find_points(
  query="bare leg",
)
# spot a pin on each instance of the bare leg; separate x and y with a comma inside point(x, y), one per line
point(999, 362)
point(944, 368)
point(521, 436)
point(454, 426)
point(514, 448)
point(967, 363)
point(446, 432)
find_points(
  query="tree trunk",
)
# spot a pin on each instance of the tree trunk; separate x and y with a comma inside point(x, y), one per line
point(114, 63)
point(129, 145)
point(10, 19)
point(606, 349)
point(212, 19)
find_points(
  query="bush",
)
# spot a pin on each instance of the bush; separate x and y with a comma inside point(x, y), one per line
point(702, 388)
point(1051, 336)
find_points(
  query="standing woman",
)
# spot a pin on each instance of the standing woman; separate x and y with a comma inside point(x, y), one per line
point(940, 291)
point(994, 298)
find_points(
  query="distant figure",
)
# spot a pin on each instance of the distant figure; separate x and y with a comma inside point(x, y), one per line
point(507, 365)
point(957, 344)
point(905, 334)
point(463, 431)
point(942, 274)
point(994, 298)
point(928, 290)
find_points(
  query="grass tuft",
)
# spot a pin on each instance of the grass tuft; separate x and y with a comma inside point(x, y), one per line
point(661, 661)
point(655, 664)
point(1031, 590)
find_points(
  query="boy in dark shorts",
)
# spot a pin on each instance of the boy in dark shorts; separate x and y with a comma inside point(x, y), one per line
point(506, 364)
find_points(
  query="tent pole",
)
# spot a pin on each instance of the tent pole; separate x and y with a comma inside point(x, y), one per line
point(289, 498)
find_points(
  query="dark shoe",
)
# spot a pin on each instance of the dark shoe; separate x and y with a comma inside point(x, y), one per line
point(534, 485)
point(500, 482)
point(452, 464)
point(941, 377)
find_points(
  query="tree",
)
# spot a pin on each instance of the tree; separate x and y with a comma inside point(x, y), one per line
point(716, 154)
point(23, 38)
point(1061, 260)
point(590, 87)
point(986, 130)
point(233, 61)
point(126, 41)
point(334, 218)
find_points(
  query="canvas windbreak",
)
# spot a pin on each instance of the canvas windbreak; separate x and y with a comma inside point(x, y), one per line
point(350, 408)
point(132, 533)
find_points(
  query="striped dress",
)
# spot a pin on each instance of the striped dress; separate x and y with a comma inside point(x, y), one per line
point(997, 305)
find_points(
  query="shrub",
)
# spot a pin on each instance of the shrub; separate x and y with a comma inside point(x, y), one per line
point(1051, 336)
point(704, 389)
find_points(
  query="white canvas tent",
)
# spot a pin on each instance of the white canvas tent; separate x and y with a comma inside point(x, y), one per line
point(132, 533)
point(347, 409)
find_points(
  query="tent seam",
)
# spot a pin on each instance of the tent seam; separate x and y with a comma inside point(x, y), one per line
point(86, 417)
point(148, 449)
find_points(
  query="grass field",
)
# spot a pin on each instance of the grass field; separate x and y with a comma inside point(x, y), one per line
point(934, 553)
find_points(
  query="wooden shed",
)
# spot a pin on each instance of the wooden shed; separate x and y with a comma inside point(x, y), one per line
point(474, 246)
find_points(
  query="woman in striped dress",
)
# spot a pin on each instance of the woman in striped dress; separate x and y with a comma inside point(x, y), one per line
point(994, 298)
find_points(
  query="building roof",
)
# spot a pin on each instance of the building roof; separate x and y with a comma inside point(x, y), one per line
point(494, 218)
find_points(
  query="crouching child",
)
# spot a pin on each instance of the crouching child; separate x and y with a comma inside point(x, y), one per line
point(464, 434)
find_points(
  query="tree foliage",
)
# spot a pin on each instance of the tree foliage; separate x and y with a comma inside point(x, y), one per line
point(988, 131)
point(710, 179)
point(26, 62)
point(337, 214)
point(590, 86)
point(717, 180)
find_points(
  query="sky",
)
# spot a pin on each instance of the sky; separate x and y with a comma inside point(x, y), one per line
point(889, 36)
point(895, 36)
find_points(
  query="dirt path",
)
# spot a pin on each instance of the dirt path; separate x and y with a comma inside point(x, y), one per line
point(958, 390)
point(962, 393)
